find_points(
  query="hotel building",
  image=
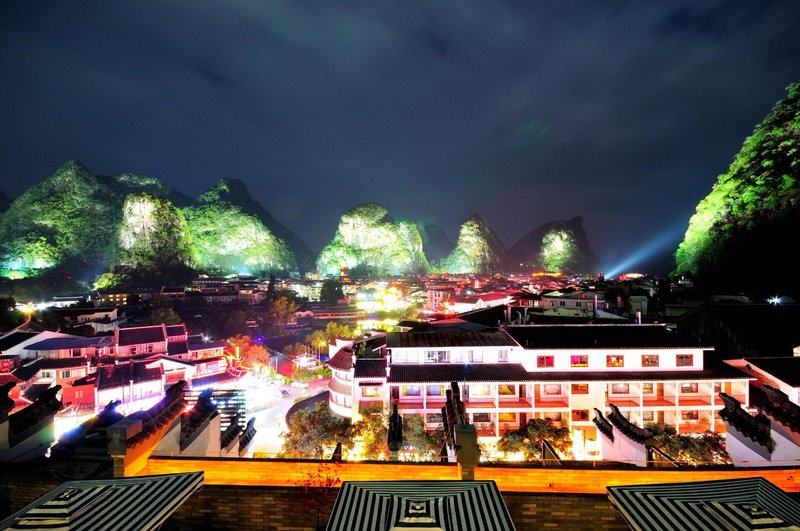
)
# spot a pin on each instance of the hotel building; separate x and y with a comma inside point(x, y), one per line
point(559, 372)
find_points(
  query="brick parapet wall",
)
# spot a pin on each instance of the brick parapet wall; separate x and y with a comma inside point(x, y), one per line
point(286, 473)
point(278, 508)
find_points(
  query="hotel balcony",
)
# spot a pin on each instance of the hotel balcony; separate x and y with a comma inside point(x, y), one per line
point(624, 401)
point(555, 403)
point(658, 400)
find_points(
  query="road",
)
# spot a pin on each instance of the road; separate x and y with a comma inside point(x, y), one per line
point(271, 420)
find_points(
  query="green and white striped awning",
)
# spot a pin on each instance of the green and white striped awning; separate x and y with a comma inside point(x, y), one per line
point(119, 504)
point(731, 504)
point(420, 506)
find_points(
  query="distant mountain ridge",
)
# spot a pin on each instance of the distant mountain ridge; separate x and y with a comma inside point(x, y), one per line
point(73, 220)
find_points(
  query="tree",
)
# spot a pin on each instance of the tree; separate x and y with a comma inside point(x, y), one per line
point(331, 291)
point(528, 439)
point(317, 494)
point(250, 352)
point(373, 431)
point(302, 375)
point(313, 433)
point(282, 310)
point(334, 330)
point(704, 448)
point(163, 314)
point(418, 444)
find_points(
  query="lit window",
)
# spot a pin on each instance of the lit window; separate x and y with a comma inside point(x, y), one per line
point(544, 362)
point(505, 416)
point(579, 361)
point(411, 390)
point(479, 390)
point(649, 360)
point(615, 361)
point(620, 389)
point(502, 356)
point(580, 389)
point(647, 416)
point(684, 360)
point(371, 391)
point(435, 390)
point(475, 356)
point(556, 417)
point(580, 415)
point(434, 418)
point(506, 390)
point(551, 389)
point(690, 415)
point(688, 387)
point(648, 389)
point(481, 417)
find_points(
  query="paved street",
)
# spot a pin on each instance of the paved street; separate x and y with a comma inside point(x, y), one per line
point(270, 420)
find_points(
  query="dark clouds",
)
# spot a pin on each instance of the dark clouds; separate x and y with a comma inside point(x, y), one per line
point(623, 113)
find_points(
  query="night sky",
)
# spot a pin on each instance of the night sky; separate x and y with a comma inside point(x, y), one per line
point(526, 112)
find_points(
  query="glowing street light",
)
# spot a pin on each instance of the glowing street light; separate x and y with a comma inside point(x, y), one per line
point(774, 300)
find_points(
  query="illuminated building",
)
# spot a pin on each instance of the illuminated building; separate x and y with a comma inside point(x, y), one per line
point(557, 372)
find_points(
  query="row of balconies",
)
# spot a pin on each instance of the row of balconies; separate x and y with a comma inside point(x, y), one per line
point(566, 402)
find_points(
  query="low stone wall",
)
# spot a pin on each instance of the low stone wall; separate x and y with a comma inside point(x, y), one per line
point(285, 509)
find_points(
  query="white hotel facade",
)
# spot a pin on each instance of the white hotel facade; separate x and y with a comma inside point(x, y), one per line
point(560, 372)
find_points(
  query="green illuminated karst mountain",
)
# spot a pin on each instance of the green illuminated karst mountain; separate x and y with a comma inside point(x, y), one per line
point(228, 238)
point(152, 234)
point(70, 219)
point(742, 234)
point(555, 246)
point(368, 242)
point(478, 249)
point(234, 193)
point(73, 222)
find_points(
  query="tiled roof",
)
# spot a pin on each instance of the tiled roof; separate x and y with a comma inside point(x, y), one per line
point(14, 338)
point(448, 338)
point(212, 379)
point(454, 372)
point(64, 343)
point(715, 372)
point(176, 330)
point(206, 345)
point(598, 337)
point(28, 371)
point(626, 427)
point(778, 406)
point(370, 368)
point(140, 335)
point(755, 428)
point(342, 360)
point(62, 363)
point(111, 376)
point(785, 369)
point(35, 391)
point(177, 347)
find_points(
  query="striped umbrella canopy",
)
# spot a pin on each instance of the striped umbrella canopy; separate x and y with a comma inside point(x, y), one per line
point(120, 504)
point(731, 504)
point(420, 506)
